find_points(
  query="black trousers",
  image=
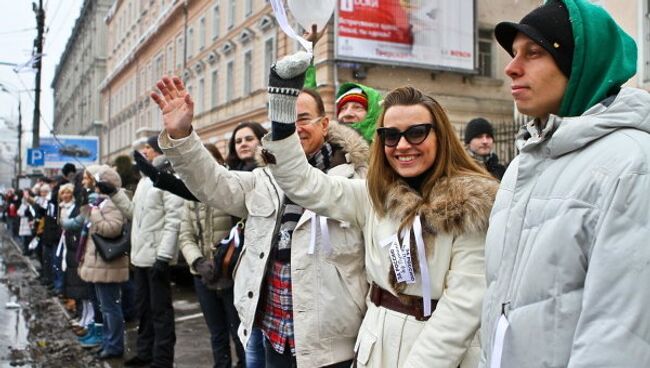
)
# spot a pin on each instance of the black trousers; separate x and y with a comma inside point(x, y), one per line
point(156, 332)
point(222, 320)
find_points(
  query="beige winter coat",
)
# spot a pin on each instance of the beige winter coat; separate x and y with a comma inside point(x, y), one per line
point(106, 220)
point(454, 220)
point(215, 226)
point(328, 287)
point(155, 221)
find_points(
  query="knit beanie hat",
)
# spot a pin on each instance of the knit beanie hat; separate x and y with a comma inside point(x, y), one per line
point(352, 95)
point(477, 127)
point(153, 142)
point(68, 168)
point(109, 175)
point(548, 26)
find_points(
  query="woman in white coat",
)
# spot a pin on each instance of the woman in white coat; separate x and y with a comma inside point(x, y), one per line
point(424, 211)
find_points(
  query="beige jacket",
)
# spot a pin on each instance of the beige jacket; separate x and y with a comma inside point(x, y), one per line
point(455, 222)
point(106, 220)
point(215, 226)
point(155, 221)
point(328, 287)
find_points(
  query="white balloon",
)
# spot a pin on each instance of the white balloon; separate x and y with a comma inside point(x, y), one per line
point(308, 12)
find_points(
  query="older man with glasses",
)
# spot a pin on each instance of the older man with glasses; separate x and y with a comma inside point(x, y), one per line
point(302, 279)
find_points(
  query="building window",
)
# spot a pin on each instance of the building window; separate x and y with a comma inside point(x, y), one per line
point(170, 57)
point(485, 53)
point(200, 106)
point(179, 51)
point(202, 33)
point(230, 80)
point(248, 72)
point(248, 6)
point(158, 69)
point(190, 43)
point(216, 22)
point(269, 56)
point(214, 89)
point(231, 14)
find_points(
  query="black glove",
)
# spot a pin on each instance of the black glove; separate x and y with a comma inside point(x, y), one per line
point(145, 167)
point(286, 79)
point(106, 188)
point(204, 268)
point(160, 267)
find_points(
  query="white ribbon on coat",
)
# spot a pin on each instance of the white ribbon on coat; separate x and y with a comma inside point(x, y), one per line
point(424, 266)
point(316, 223)
point(62, 251)
point(234, 234)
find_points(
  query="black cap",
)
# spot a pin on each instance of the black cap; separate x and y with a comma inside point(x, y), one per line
point(476, 127)
point(68, 168)
point(549, 26)
point(153, 142)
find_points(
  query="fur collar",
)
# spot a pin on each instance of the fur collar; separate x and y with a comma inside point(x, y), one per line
point(356, 149)
point(455, 206)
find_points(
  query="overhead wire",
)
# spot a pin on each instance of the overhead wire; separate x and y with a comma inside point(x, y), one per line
point(47, 125)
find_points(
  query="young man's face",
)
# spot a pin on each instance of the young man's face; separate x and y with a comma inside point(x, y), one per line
point(481, 144)
point(537, 85)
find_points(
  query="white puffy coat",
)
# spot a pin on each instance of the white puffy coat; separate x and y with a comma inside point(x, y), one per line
point(155, 221)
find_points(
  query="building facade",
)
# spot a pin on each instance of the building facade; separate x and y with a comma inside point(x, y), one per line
point(82, 67)
point(222, 49)
point(634, 18)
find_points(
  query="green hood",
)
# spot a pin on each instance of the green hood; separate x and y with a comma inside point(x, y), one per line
point(604, 58)
point(366, 127)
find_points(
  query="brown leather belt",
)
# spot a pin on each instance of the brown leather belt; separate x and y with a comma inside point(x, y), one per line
point(383, 298)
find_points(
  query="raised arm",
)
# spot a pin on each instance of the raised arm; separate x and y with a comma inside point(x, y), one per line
point(161, 179)
point(339, 198)
point(208, 181)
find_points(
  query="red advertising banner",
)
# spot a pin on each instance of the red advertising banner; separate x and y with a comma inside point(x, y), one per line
point(427, 33)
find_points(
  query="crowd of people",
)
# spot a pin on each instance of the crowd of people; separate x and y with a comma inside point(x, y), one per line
point(379, 239)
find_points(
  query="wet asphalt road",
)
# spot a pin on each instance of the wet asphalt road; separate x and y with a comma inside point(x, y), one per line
point(13, 327)
point(192, 337)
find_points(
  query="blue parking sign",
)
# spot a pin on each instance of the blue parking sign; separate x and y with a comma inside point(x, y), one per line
point(35, 157)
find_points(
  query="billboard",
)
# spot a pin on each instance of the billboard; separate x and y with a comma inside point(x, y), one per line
point(432, 34)
point(79, 150)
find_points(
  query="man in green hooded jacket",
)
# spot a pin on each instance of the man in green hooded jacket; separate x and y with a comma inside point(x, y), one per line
point(567, 256)
point(358, 106)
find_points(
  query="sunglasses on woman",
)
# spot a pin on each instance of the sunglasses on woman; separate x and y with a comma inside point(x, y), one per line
point(415, 134)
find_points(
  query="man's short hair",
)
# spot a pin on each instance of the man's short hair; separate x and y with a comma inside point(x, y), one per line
point(320, 106)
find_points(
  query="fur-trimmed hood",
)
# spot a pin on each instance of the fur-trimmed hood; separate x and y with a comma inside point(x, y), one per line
point(355, 148)
point(455, 206)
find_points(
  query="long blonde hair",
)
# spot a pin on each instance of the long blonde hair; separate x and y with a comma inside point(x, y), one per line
point(451, 158)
